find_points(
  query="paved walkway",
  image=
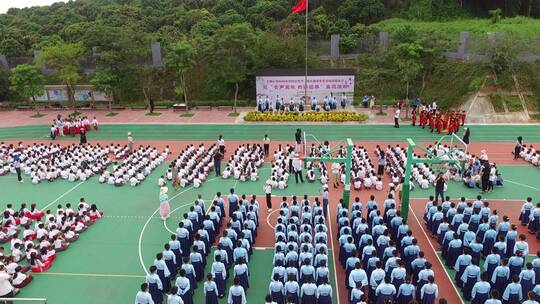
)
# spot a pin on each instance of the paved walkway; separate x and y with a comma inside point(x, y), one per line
point(214, 116)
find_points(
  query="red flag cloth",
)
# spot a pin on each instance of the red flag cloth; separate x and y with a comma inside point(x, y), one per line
point(299, 7)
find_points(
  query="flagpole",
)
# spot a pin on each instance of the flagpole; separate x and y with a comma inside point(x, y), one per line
point(306, 59)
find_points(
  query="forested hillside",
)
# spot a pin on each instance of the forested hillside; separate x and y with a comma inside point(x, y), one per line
point(227, 41)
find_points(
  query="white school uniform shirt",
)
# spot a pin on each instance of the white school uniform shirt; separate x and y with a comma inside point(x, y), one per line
point(143, 298)
point(236, 291)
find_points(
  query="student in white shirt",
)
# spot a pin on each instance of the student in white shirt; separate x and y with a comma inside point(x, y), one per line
point(143, 296)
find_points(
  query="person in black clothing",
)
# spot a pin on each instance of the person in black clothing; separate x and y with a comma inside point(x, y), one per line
point(152, 105)
point(217, 162)
point(466, 136)
point(439, 187)
point(485, 170)
point(83, 137)
point(298, 138)
point(517, 148)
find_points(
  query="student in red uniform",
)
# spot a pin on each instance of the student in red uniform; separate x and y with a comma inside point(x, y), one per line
point(439, 125)
point(414, 119)
point(463, 116)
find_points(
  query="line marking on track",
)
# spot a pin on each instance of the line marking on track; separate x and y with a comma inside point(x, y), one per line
point(435, 251)
point(333, 255)
point(97, 275)
point(520, 184)
point(64, 194)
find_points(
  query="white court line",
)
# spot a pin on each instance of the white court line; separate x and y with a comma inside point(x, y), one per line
point(520, 184)
point(438, 258)
point(268, 218)
point(64, 194)
point(333, 256)
point(146, 224)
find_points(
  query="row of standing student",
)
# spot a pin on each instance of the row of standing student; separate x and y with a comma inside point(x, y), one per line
point(301, 272)
point(469, 232)
point(198, 231)
point(381, 258)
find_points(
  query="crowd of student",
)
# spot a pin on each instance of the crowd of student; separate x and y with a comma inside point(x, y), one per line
point(71, 126)
point(300, 273)
point(300, 104)
point(48, 162)
point(529, 154)
point(363, 172)
point(35, 237)
point(244, 163)
point(192, 166)
point(469, 232)
point(132, 167)
point(382, 260)
point(179, 268)
point(281, 167)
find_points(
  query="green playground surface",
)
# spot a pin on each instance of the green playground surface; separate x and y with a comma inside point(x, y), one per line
point(106, 265)
point(356, 132)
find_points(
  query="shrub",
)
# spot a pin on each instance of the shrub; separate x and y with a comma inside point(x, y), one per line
point(336, 116)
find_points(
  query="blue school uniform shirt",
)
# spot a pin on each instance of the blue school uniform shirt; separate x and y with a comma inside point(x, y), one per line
point(276, 286)
point(476, 247)
point(308, 289)
point(377, 275)
point(462, 260)
point(322, 272)
point(501, 271)
point(522, 246)
point(471, 271)
point(324, 290)
point(385, 289)
point(429, 289)
point(357, 275)
point(492, 258)
point(527, 274)
point(481, 287)
point(398, 273)
point(493, 301)
point(406, 289)
point(292, 287)
point(512, 288)
point(515, 261)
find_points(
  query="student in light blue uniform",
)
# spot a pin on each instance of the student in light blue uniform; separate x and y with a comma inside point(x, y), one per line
point(242, 273)
point(512, 293)
point(530, 299)
point(357, 294)
point(163, 272)
point(184, 288)
point(495, 296)
point(175, 246)
point(174, 298)
point(170, 260)
point(143, 296)
point(429, 291)
point(385, 292)
point(469, 278)
point(210, 290)
point(219, 273)
point(480, 290)
point(292, 290)
point(154, 285)
point(526, 279)
point(236, 293)
point(308, 292)
point(324, 292)
point(405, 293)
point(277, 290)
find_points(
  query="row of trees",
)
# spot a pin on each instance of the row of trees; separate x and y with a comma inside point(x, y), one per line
point(232, 58)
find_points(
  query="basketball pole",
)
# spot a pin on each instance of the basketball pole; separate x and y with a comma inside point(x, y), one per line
point(411, 160)
point(348, 166)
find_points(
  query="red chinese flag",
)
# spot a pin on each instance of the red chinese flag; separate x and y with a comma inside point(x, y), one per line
point(299, 7)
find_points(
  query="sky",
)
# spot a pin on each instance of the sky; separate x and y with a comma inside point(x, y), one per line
point(7, 4)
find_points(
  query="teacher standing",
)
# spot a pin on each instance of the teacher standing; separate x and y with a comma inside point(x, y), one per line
point(440, 183)
point(518, 147)
point(268, 193)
